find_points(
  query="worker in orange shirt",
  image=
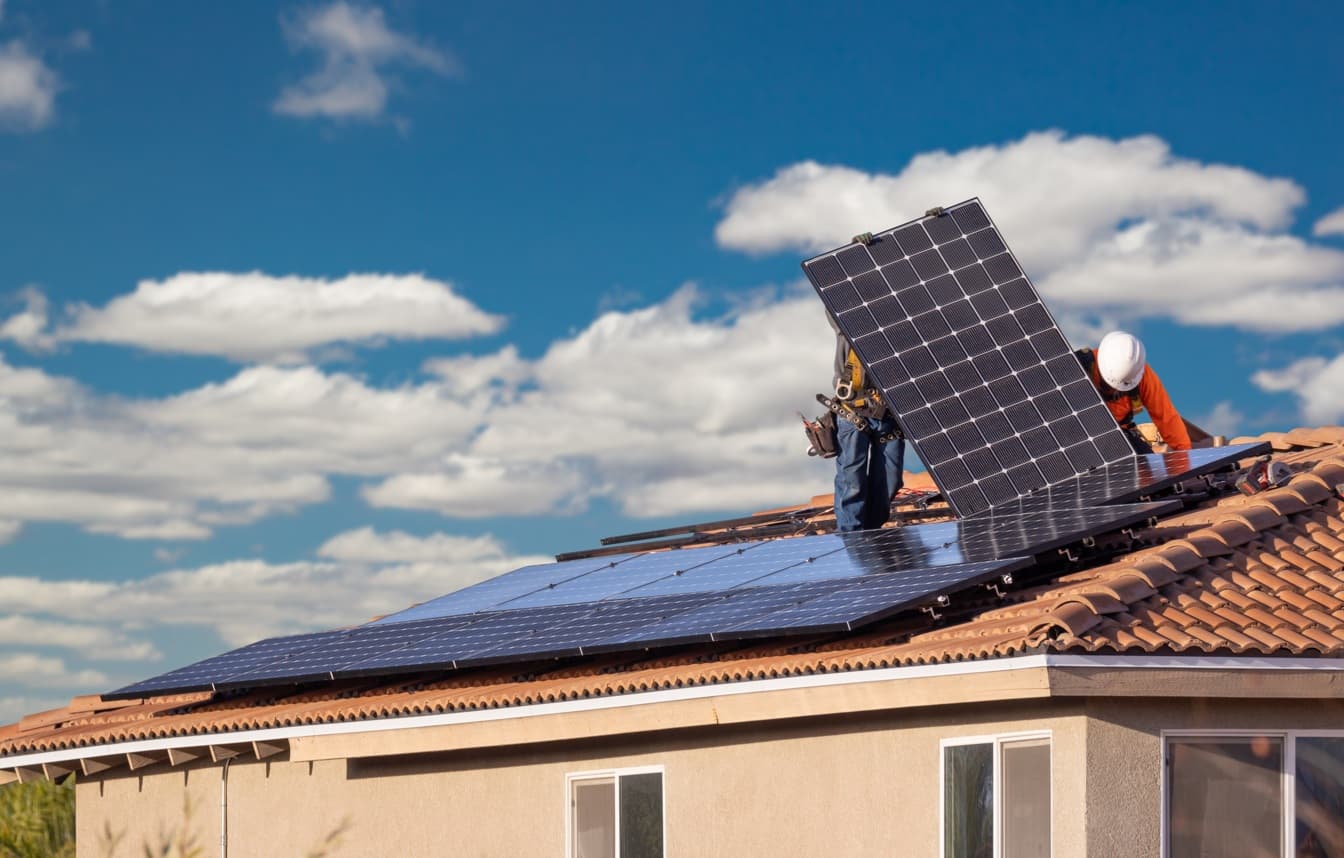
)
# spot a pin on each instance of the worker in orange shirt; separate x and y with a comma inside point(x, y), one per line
point(1120, 370)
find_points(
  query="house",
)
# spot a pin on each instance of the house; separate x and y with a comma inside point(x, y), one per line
point(1174, 693)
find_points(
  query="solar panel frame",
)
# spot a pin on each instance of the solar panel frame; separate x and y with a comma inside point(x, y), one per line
point(927, 392)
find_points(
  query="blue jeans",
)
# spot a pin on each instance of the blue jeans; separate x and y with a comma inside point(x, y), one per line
point(866, 475)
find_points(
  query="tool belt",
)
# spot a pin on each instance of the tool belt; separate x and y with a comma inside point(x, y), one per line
point(842, 409)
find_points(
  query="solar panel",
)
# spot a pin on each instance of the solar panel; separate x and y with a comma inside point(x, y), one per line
point(338, 650)
point(578, 634)
point(875, 597)
point(612, 582)
point(1141, 476)
point(968, 358)
point(201, 675)
point(815, 606)
point(495, 591)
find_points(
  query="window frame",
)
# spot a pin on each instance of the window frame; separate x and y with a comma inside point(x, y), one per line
point(1287, 776)
point(997, 740)
point(615, 776)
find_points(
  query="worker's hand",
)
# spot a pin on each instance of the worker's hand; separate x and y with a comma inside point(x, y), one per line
point(863, 238)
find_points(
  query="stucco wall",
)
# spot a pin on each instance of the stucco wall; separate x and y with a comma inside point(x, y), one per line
point(850, 786)
point(1124, 757)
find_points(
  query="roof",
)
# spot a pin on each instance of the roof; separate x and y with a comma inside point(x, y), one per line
point(1232, 576)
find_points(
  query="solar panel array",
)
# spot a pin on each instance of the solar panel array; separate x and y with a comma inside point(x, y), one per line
point(841, 602)
point(968, 358)
point(982, 382)
point(789, 586)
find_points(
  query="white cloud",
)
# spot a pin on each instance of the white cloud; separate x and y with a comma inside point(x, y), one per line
point(28, 89)
point(260, 443)
point(29, 327)
point(1111, 231)
point(356, 49)
point(654, 408)
point(368, 574)
point(1331, 224)
point(366, 545)
point(92, 641)
point(258, 317)
point(41, 671)
point(1223, 419)
point(1316, 382)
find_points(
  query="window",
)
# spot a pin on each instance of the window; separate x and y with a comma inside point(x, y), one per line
point(616, 814)
point(1269, 794)
point(996, 797)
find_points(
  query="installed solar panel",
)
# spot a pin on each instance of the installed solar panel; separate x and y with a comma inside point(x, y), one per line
point(857, 603)
point(968, 358)
point(202, 675)
point(1140, 476)
point(612, 582)
point(334, 653)
point(495, 591)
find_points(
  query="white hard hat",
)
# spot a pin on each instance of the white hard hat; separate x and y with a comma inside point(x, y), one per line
point(1120, 360)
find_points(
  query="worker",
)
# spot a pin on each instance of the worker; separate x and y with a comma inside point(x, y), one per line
point(1120, 370)
point(871, 451)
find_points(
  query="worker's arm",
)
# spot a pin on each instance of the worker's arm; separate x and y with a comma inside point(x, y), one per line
point(1158, 405)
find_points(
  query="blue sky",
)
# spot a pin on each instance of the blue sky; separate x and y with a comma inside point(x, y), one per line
point(311, 311)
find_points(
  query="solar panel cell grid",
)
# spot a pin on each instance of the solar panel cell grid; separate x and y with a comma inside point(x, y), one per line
point(967, 338)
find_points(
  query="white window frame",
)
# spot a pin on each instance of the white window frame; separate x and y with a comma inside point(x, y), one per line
point(615, 775)
point(1288, 776)
point(998, 740)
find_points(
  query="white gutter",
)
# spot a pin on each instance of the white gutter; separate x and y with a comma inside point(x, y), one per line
point(644, 698)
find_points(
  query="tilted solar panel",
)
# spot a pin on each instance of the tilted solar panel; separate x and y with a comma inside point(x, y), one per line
point(968, 358)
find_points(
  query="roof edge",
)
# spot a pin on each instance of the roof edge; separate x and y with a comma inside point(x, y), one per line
point(53, 760)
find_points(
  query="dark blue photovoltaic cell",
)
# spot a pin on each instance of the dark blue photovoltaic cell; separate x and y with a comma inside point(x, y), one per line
point(340, 650)
point(202, 675)
point(607, 619)
point(495, 591)
point(741, 570)
point(723, 612)
point(872, 598)
point(483, 633)
point(612, 582)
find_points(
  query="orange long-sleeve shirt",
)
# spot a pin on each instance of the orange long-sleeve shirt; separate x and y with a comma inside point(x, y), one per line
point(1153, 396)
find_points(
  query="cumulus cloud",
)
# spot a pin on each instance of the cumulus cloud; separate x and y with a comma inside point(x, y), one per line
point(42, 671)
point(259, 317)
point(28, 89)
point(366, 574)
point(1223, 419)
point(1110, 230)
point(356, 50)
point(1331, 224)
point(658, 409)
point(260, 443)
point(101, 642)
point(1317, 383)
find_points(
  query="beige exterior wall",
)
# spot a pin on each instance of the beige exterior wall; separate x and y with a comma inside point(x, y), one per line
point(852, 786)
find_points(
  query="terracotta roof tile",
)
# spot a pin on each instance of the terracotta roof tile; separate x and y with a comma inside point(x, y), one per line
point(1258, 575)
